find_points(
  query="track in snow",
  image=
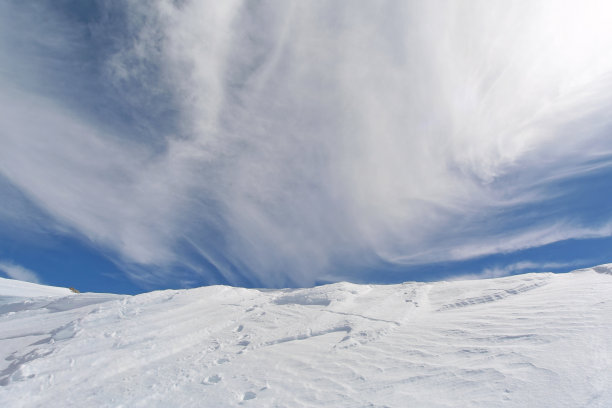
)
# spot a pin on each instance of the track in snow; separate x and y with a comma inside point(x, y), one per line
point(527, 340)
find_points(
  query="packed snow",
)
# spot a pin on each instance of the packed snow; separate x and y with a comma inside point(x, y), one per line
point(10, 288)
point(534, 340)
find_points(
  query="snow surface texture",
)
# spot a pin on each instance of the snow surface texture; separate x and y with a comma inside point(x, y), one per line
point(531, 340)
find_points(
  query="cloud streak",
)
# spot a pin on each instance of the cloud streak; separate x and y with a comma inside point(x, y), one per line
point(18, 272)
point(519, 267)
point(311, 137)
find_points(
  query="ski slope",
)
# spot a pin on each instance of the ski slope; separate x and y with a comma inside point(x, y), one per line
point(534, 340)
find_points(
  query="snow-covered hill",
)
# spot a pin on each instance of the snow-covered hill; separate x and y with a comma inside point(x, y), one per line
point(536, 340)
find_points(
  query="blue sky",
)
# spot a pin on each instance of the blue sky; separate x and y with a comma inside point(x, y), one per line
point(166, 144)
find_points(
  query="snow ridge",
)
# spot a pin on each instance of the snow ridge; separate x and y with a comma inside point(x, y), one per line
point(527, 340)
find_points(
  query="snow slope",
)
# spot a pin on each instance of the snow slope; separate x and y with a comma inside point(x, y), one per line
point(14, 288)
point(535, 340)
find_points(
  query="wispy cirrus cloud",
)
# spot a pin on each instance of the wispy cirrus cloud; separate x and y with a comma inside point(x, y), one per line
point(270, 143)
point(18, 272)
point(518, 267)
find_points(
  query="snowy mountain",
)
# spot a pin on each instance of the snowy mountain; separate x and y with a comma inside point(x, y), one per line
point(535, 340)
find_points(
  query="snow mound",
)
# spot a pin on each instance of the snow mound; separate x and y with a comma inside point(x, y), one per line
point(16, 288)
point(607, 268)
point(521, 341)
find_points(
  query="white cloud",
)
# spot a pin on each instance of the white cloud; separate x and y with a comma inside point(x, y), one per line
point(312, 132)
point(482, 244)
point(18, 272)
point(535, 237)
point(518, 267)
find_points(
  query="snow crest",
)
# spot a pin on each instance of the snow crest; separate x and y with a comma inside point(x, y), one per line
point(527, 340)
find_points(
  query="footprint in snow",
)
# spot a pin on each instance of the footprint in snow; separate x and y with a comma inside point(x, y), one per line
point(213, 379)
point(249, 395)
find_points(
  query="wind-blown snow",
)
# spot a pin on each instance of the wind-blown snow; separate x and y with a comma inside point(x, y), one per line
point(522, 341)
point(17, 288)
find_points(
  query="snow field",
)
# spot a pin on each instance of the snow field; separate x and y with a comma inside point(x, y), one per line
point(524, 341)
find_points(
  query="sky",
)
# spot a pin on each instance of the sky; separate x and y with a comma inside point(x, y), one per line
point(175, 143)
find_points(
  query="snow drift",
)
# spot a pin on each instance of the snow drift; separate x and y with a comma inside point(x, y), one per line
point(522, 341)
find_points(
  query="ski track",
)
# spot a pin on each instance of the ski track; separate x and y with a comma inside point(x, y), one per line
point(524, 341)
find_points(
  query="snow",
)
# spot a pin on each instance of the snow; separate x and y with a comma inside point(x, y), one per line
point(522, 341)
point(16, 288)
